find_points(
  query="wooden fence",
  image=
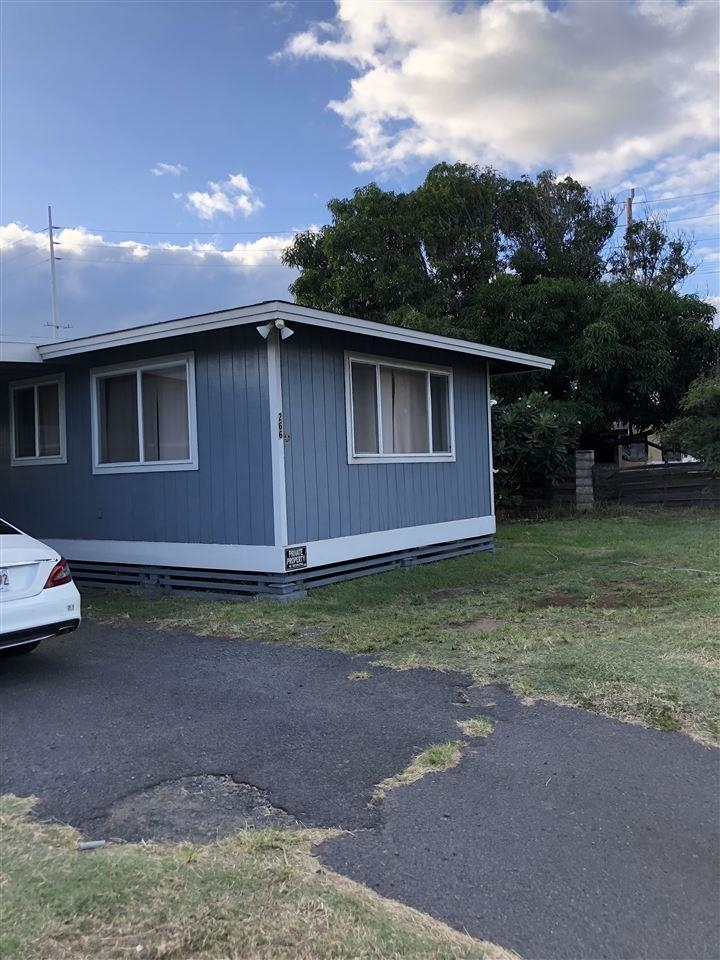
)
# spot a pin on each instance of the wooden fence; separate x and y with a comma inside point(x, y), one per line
point(670, 485)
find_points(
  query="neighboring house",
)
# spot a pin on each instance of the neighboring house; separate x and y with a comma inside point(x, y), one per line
point(257, 450)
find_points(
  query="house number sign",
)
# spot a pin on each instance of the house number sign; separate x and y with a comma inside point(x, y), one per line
point(295, 558)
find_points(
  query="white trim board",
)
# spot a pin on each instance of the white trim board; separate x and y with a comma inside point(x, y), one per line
point(13, 350)
point(197, 556)
point(322, 552)
point(289, 312)
point(277, 438)
point(270, 559)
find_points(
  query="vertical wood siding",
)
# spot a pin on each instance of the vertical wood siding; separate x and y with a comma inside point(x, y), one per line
point(227, 500)
point(328, 497)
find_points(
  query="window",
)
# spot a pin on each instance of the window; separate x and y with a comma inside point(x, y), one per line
point(398, 411)
point(38, 421)
point(144, 416)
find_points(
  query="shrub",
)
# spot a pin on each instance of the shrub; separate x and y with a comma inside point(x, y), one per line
point(533, 442)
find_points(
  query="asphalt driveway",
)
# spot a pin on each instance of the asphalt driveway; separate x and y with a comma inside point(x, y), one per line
point(564, 835)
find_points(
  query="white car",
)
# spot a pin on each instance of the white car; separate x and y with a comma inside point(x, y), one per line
point(38, 598)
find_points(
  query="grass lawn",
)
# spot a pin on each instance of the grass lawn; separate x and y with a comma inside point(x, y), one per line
point(258, 895)
point(617, 613)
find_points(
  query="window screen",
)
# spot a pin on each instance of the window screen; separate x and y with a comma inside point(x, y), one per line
point(48, 420)
point(440, 412)
point(117, 413)
point(24, 411)
point(364, 397)
point(36, 421)
point(165, 414)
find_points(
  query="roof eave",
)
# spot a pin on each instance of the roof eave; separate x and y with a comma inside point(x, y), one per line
point(508, 360)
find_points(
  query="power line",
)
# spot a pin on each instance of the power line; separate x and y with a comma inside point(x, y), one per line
point(701, 216)
point(685, 196)
point(20, 256)
point(27, 266)
point(194, 233)
point(143, 260)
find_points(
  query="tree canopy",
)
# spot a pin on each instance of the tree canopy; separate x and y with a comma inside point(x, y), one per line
point(521, 264)
point(697, 430)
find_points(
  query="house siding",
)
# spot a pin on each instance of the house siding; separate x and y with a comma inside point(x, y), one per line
point(326, 496)
point(228, 499)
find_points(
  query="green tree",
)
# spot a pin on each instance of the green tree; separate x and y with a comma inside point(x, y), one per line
point(367, 262)
point(516, 264)
point(653, 257)
point(697, 430)
point(554, 228)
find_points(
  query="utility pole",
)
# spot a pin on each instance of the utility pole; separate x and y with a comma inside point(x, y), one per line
point(628, 229)
point(53, 281)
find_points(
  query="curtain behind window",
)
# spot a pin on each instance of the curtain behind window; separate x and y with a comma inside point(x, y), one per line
point(404, 405)
point(117, 402)
point(165, 414)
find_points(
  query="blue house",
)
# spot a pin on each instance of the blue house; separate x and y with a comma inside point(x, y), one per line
point(259, 450)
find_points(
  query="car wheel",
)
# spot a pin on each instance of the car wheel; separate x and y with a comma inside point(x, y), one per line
point(21, 648)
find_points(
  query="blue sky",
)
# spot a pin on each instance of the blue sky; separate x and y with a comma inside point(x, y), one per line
point(181, 144)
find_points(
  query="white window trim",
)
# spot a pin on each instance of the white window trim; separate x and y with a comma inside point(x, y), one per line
point(136, 367)
point(59, 379)
point(378, 362)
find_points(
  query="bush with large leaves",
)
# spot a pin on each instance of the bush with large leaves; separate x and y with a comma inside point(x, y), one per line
point(533, 443)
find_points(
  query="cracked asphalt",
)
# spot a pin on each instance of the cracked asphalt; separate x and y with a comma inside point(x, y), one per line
point(563, 835)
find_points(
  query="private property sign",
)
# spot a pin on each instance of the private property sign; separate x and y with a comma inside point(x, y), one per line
point(296, 558)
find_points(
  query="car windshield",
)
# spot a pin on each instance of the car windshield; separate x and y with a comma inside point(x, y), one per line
point(6, 530)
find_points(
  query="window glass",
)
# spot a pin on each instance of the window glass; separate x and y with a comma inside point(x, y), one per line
point(24, 416)
point(440, 411)
point(7, 531)
point(48, 420)
point(411, 404)
point(364, 398)
point(403, 403)
point(117, 411)
point(165, 414)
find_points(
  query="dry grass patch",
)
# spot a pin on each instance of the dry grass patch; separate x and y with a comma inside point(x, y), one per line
point(476, 727)
point(257, 896)
point(438, 757)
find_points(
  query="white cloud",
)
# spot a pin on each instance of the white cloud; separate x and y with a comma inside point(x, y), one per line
point(235, 195)
point(595, 88)
point(174, 169)
point(104, 285)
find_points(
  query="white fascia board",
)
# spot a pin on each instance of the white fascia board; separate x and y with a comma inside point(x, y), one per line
point(160, 331)
point(19, 351)
point(289, 312)
point(320, 318)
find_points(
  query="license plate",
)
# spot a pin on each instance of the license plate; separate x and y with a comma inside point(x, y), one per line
point(4, 579)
